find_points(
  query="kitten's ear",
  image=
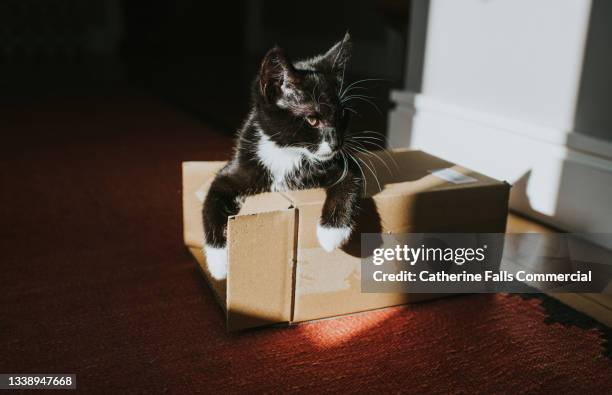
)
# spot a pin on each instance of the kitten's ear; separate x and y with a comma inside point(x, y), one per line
point(276, 71)
point(338, 56)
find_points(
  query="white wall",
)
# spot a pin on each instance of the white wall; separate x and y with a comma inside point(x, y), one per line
point(515, 58)
point(499, 91)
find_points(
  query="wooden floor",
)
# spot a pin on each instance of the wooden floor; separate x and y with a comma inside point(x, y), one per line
point(519, 224)
point(598, 306)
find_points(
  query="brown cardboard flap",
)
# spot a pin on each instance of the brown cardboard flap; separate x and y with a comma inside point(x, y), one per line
point(197, 177)
point(411, 169)
point(261, 264)
point(264, 202)
point(403, 172)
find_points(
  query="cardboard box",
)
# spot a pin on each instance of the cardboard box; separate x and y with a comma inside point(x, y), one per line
point(279, 274)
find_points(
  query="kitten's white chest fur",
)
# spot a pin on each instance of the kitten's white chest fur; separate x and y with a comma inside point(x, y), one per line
point(281, 162)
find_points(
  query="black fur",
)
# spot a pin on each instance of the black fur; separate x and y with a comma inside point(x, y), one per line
point(283, 95)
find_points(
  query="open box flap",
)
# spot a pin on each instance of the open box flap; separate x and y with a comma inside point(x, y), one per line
point(403, 172)
point(262, 251)
point(261, 242)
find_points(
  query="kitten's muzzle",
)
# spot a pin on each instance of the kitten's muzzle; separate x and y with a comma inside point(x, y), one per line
point(331, 137)
point(325, 151)
point(327, 156)
point(329, 146)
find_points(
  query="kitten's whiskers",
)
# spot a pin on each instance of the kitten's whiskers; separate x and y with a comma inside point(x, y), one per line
point(352, 148)
point(361, 148)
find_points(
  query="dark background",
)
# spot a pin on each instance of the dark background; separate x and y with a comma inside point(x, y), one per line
point(197, 55)
point(100, 103)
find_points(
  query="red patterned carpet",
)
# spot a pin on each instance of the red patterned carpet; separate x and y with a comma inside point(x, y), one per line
point(95, 281)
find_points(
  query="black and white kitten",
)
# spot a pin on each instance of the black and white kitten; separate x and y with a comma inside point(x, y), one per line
point(292, 139)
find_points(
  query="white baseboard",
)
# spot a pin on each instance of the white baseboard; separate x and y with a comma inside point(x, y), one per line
point(556, 178)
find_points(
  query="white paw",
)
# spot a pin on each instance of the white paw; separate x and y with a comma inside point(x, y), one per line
point(216, 260)
point(331, 238)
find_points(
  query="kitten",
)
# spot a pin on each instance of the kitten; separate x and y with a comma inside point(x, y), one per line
point(292, 139)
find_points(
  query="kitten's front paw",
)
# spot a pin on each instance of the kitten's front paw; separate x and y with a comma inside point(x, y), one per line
point(331, 238)
point(216, 260)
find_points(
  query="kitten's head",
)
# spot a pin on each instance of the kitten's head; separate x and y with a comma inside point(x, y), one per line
point(299, 103)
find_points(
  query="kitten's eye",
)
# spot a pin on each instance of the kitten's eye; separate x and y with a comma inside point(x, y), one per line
point(312, 121)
